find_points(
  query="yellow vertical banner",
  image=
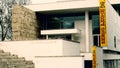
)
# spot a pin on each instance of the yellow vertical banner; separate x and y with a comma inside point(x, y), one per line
point(103, 30)
point(94, 62)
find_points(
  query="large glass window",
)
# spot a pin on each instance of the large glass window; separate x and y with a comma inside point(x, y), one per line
point(95, 24)
point(54, 23)
point(61, 22)
point(65, 21)
point(96, 30)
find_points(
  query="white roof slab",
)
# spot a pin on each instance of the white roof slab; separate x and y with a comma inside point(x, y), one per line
point(65, 5)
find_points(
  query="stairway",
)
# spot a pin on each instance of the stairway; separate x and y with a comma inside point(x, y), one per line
point(8, 60)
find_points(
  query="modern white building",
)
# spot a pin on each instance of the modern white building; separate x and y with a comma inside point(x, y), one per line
point(69, 30)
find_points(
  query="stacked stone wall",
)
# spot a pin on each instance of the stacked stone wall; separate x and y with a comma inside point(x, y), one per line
point(24, 24)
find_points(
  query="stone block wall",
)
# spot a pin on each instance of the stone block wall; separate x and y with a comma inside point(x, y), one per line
point(24, 24)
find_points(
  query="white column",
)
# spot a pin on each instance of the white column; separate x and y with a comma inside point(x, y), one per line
point(87, 30)
point(46, 36)
point(118, 12)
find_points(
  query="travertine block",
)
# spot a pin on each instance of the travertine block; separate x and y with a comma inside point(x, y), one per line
point(24, 24)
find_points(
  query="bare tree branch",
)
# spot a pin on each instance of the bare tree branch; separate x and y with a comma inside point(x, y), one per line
point(6, 15)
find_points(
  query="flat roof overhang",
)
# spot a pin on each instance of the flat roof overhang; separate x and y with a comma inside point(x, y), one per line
point(67, 6)
point(68, 11)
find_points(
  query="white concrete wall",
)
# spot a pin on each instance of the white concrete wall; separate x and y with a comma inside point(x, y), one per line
point(80, 24)
point(99, 57)
point(113, 27)
point(70, 48)
point(111, 56)
point(30, 49)
point(59, 62)
point(87, 56)
point(114, 1)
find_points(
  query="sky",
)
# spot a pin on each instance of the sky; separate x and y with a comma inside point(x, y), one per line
point(42, 1)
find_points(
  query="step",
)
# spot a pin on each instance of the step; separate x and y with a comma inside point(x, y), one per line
point(1, 51)
point(16, 66)
point(5, 54)
point(9, 57)
point(8, 60)
point(3, 64)
point(30, 66)
point(16, 63)
point(14, 55)
point(13, 60)
point(29, 62)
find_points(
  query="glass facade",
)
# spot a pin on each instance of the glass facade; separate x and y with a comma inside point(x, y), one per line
point(96, 30)
point(60, 22)
point(63, 22)
point(95, 24)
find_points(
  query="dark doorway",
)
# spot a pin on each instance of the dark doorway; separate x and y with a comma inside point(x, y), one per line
point(88, 64)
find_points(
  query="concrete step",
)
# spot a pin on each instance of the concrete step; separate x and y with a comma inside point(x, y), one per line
point(30, 64)
point(5, 54)
point(1, 51)
point(21, 58)
point(13, 60)
point(16, 66)
point(3, 64)
point(14, 55)
point(8, 60)
point(9, 57)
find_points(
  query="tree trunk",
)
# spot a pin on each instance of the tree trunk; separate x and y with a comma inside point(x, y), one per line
point(2, 36)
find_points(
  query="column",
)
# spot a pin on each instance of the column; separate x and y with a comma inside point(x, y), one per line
point(87, 30)
point(118, 12)
point(46, 36)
